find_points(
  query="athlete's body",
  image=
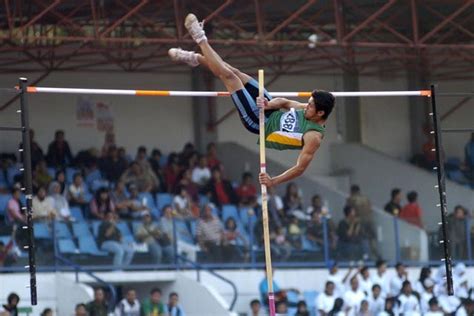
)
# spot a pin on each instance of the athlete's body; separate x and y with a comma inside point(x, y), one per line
point(288, 125)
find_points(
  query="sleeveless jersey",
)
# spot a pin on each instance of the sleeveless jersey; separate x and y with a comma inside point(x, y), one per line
point(285, 130)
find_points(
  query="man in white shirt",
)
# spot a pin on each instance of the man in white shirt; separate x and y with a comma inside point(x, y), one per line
point(201, 173)
point(129, 306)
point(43, 206)
point(376, 300)
point(336, 277)
point(380, 277)
point(434, 309)
point(325, 301)
point(353, 297)
point(427, 295)
point(365, 283)
point(397, 281)
point(409, 304)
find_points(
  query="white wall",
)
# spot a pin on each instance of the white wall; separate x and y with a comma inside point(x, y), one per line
point(162, 122)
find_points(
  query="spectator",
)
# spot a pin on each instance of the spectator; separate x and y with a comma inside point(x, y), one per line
point(230, 241)
point(247, 192)
point(292, 201)
point(325, 301)
point(212, 159)
point(317, 204)
point(336, 277)
point(172, 171)
point(280, 294)
point(153, 306)
point(138, 207)
point(338, 310)
point(77, 192)
point(350, 235)
point(220, 190)
point(7, 256)
point(363, 208)
point(155, 164)
point(166, 225)
point(122, 153)
point(365, 282)
point(295, 233)
point(457, 232)
point(109, 142)
point(397, 281)
point(364, 309)
point(102, 204)
point(302, 309)
point(192, 161)
point(469, 157)
point(275, 207)
point(159, 243)
point(376, 300)
point(10, 309)
point(59, 153)
point(380, 277)
point(280, 246)
point(412, 212)
point(182, 203)
point(173, 307)
point(47, 312)
point(315, 231)
point(43, 206)
point(15, 213)
point(41, 175)
point(121, 200)
point(408, 302)
point(434, 309)
point(389, 308)
point(80, 310)
point(201, 173)
point(210, 235)
point(110, 240)
point(60, 178)
point(144, 179)
point(425, 273)
point(129, 306)
point(142, 158)
point(112, 166)
point(427, 295)
point(187, 183)
point(188, 151)
point(36, 151)
point(99, 306)
point(394, 205)
point(354, 296)
point(255, 308)
point(59, 202)
point(467, 308)
point(281, 308)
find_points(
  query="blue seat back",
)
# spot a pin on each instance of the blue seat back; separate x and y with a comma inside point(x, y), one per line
point(67, 246)
point(4, 198)
point(62, 230)
point(162, 199)
point(42, 231)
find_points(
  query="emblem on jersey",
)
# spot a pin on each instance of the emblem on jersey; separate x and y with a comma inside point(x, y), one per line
point(289, 122)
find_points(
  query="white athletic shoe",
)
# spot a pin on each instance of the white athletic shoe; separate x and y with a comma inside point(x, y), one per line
point(195, 28)
point(184, 56)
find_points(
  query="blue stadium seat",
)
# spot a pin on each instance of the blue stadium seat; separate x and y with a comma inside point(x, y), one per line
point(76, 212)
point(62, 231)
point(292, 297)
point(80, 229)
point(88, 245)
point(248, 221)
point(42, 231)
point(4, 198)
point(135, 226)
point(228, 211)
point(182, 231)
point(309, 245)
point(124, 229)
point(67, 246)
point(11, 173)
point(95, 227)
point(193, 224)
point(70, 174)
point(3, 181)
point(203, 200)
point(162, 199)
point(52, 172)
point(310, 299)
point(148, 200)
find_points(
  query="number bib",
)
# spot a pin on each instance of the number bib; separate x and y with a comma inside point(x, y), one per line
point(289, 122)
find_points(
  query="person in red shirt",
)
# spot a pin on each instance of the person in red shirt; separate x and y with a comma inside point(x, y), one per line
point(220, 190)
point(247, 192)
point(412, 211)
point(212, 159)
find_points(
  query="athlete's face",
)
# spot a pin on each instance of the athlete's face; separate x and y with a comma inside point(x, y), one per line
point(311, 112)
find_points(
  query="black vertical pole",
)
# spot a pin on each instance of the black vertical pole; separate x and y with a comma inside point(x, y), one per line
point(28, 188)
point(442, 191)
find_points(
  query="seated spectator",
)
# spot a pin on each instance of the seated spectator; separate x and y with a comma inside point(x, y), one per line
point(172, 171)
point(80, 310)
point(365, 282)
point(7, 256)
point(469, 158)
point(338, 309)
point(122, 153)
point(220, 190)
point(109, 141)
point(192, 161)
point(364, 309)
point(110, 240)
point(183, 157)
point(137, 206)
point(77, 192)
point(408, 301)
point(396, 282)
point(325, 301)
point(121, 200)
point(41, 175)
point(43, 206)
point(247, 192)
point(275, 207)
point(280, 246)
point(412, 212)
point(315, 231)
point(99, 306)
point(302, 309)
point(434, 309)
point(350, 235)
point(145, 180)
point(457, 232)
point(425, 273)
point(212, 160)
point(292, 201)
point(60, 178)
point(15, 213)
point(112, 166)
point(336, 277)
point(427, 295)
point(59, 153)
point(159, 243)
point(381, 277)
point(201, 173)
point(353, 296)
point(317, 204)
point(230, 250)
point(129, 306)
point(173, 305)
point(155, 164)
point(376, 300)
point(183, 204)
point(394, 205)
point(281, 294)
point(60, 202)
point(10, 309)
point(36, 151)
point(142, 158)
point(153, 305)
point(294, 232)
point(187, 183)
point(390, 307)
point(255, 308)
point(166, 225)
point(210, 235)
point(47, 312)
point(101, 204)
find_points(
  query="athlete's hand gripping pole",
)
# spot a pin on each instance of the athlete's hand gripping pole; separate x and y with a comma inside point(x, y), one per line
point(263, 169)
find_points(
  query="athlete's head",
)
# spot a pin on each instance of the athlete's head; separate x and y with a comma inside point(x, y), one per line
point(320, 105)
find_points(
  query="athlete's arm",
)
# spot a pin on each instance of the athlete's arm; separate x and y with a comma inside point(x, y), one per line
point(280, 103)
point(312, 141)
